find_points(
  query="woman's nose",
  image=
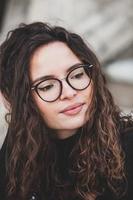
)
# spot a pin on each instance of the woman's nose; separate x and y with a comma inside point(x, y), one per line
point(67, 91)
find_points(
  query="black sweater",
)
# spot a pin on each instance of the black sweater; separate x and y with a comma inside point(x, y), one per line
point(64, 147)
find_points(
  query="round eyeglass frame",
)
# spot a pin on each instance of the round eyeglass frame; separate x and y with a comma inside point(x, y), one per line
point(86, 66)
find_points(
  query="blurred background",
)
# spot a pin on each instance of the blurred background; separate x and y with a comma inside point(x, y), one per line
point(106, 25)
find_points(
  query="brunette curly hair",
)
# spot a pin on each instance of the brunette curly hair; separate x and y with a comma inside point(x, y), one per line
point(96, 160)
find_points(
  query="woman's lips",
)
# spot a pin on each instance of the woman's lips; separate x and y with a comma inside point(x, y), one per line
point(74, 110)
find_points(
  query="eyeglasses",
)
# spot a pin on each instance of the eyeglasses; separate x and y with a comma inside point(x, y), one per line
point(50, 89)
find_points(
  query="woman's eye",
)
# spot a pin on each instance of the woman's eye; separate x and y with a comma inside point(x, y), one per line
point(79, 75)
point(45, 88)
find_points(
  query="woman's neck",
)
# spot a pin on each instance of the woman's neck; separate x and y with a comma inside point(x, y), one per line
point(63, 134)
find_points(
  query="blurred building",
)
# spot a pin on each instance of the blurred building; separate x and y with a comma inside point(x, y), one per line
point(106, 24)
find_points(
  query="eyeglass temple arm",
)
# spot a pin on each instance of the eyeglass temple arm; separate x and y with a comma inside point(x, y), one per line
point(90, 66)
point(33, 87)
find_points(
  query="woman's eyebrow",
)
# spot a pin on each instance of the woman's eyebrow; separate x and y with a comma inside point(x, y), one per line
point(53, 76)
point(72, 67)
point(42, 78)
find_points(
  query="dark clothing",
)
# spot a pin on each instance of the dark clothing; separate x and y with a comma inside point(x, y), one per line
point(64, 147)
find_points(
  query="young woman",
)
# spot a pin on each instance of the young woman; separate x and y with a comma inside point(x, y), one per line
point(66, 137)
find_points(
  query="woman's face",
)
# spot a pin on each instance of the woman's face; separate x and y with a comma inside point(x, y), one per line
point(55, 59)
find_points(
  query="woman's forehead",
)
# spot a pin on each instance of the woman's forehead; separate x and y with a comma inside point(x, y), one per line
point(51, 59)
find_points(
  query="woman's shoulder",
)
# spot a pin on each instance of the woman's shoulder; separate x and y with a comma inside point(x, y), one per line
point(3, 156)
point(127, 141)
point(3, 148)
point(127, 137)
point(3, 169)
